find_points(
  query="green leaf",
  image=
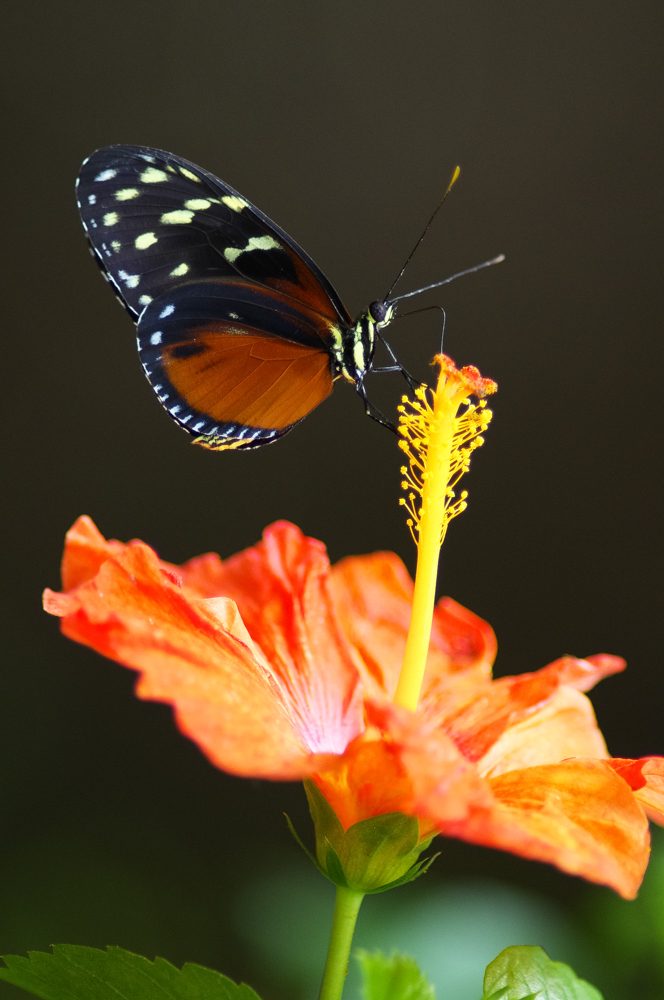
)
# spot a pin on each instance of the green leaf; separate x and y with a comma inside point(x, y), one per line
point(394, 978)
point(527, 973)
point(73, 972)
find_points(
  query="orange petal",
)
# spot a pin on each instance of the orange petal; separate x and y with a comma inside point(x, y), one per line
point(373, 596)
point(224, 697)
point(578, 815)
point(444, 786)
point(202, 575)
point(477, 724)
point(646, 779)
point(565, 726)
point(86, 550)
point(281, 589)
point(397, 765)
point(59, 605)
point(602, 664)
point(368, 780)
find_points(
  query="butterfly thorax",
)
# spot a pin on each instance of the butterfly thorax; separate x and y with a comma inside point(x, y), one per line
point(354, 349)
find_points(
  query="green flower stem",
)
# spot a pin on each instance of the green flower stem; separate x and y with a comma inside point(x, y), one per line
point(346, 908)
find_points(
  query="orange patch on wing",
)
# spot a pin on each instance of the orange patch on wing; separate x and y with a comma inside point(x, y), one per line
point(247, 379)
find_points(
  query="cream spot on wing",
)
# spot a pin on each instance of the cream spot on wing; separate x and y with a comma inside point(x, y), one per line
point(197, 204)
point(116, 245)
point(130, 280)
point(156, 338)
point(106, 175)
point(233, 316)
point(111, 218)
point(153, 176)
point(255, 243)
point(126, 194)
point(144, 241)
point(145, 300)
point(179, 270)
point(179, 217)
point(167, 311)
point(234, 203)
point(188, 173)
point(92, 198)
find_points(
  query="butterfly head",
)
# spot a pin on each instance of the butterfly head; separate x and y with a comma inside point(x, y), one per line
point(355, 356)
point(381, 313)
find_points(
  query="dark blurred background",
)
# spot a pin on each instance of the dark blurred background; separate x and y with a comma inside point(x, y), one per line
point(343, 121)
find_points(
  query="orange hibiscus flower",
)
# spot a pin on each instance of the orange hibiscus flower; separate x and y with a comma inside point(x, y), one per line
point(281, 667)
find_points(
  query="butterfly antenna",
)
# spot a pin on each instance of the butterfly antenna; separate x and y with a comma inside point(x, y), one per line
point(455, 175)
point(470, 270)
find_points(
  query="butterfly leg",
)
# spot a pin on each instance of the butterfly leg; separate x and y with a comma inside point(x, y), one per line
point(397, 367)
point(442, 332)
point(373, 411)
point(428, 309)
point(413, 313)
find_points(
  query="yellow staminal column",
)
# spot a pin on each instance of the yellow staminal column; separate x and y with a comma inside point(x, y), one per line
point(439, 430)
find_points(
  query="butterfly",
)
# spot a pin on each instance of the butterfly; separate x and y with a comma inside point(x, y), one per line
point(239, 333)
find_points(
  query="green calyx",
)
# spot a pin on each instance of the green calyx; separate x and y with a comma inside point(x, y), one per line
point(371, 856)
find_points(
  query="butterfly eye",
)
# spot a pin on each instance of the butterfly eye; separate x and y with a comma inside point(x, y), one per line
point(378, 311)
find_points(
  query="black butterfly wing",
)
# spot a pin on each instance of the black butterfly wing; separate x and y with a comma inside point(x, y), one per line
point(155, 220)
point(234, 363)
